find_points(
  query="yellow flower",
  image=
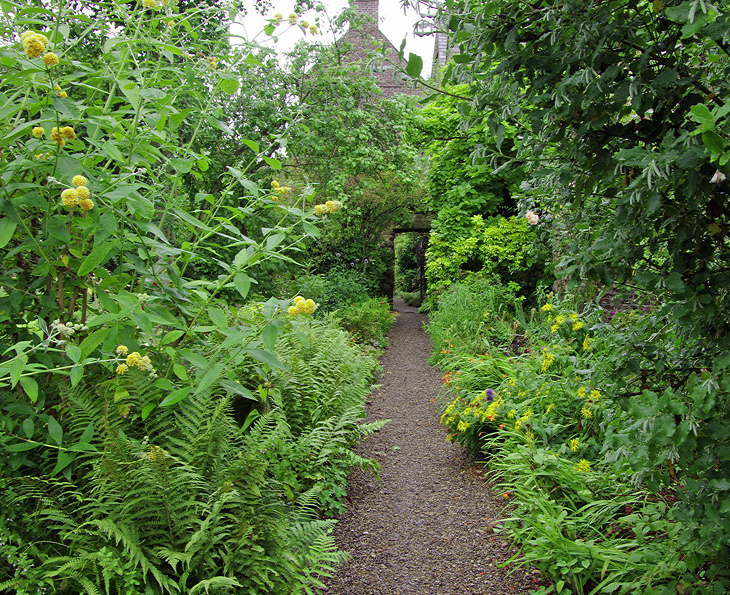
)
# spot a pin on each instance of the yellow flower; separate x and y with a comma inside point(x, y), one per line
point(83, 192)
point(133, 358)
point(304, 24)
point(86, 203)
point(512, 382)
point(292, 310)
point(586, 343)
point(546, 308)
point(594, 396)
point(33, 45)
point(550, 408)
point(293, 18)
point(275, 184)
point(25, 34)
point(121, 350)
point(573, 317)
point(38, 131)
point(308, 306)
point(518, 425)
point(122, 368)
point(79, 181)
point(313, 29)
point(51, 59)
point(462, 426)
point(577, 326)
point(511, 413)
point(582, 466)
point(319, 209)
point(586, 413)
point(69, 198)
point(574, 444)
point(145, 363)
point(57, 137)
point(278, 17)
point(297, 299)
point(149, 3)
point(68, 132)
point(582, 391)
point(63, 94)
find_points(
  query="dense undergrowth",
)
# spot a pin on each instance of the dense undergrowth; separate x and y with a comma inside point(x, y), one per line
point(593, 497)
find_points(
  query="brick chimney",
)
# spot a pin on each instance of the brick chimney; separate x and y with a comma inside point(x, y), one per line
point(369, 8)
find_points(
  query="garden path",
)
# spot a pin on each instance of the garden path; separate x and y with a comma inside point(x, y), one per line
point(426, 527)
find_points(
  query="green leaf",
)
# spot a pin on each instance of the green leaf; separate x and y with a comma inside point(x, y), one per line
point(242, 282)
point(92, 341)
point(194, 358)
point(73, 352)
point(77, 373)
point(218, 317)
point(254, 146)
point(28, 427)
point(175, 396)
point(7, 229)
point(274, 164)
point(67, 108)
point(30, 387)
point(147, 409)
point(180, 371)
point(210, 377)
point(713, 141)
point(702, 114)
point(674, 282)
point(415, 65)
point(266, 357)
point(182, 166)
point(229, 83)
point(21, 446)
point(95, 258)
point(17, 366)
point(65, 458)
point(269, 334)
point(55, 431)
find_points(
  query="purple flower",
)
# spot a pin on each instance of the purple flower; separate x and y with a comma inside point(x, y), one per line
point(366, 261)
point(337, 254)
point(489, 393)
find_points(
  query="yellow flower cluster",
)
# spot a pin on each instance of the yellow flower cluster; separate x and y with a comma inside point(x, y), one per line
point(50, 59)
point(330, 206)
point(293, 18)
point(574, 444)
point(582, 466)
point(133, 360)
point(278, 17)
point(302, 306)
point(313, 30)
point(60, 92)
point(38, 131)
point(34, 43)
point(280, 190)
point(61, 135)
point(81, 195)
point(547, 360)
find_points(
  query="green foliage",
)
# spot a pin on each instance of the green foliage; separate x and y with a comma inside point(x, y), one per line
point(409, 248)
point(144, 444)
point(367, 322)
point(335, 289)
point(473, 316)
point(504, 248)
point(590, 464)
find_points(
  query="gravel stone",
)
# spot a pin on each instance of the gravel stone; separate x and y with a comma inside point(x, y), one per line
point(426, 528)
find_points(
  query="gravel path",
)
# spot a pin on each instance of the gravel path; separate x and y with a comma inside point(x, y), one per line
point(425, 527)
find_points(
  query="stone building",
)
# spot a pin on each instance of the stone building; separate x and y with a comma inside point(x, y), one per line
point(368, 39)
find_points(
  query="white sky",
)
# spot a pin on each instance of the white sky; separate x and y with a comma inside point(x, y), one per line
point(393, 23)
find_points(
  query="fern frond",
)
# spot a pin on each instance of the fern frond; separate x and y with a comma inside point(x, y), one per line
point(215, 582)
